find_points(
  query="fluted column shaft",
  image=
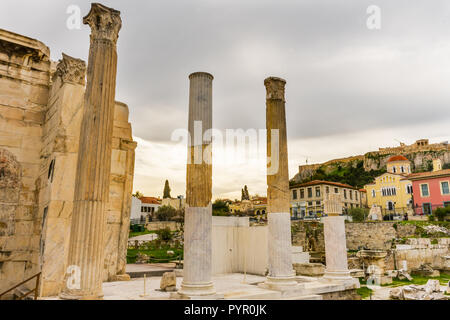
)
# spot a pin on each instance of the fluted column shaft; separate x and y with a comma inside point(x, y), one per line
point(198, 215)
point(279, 240)
point(87, 243)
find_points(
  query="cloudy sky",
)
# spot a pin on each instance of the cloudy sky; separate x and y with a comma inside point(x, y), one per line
point(350, 89)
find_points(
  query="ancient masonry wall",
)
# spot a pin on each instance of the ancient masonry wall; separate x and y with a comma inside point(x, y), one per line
point(41, 106)
point(24, 90)
point(371, 235)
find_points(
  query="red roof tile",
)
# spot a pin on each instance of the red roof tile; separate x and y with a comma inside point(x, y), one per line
point(397, 158)
point(149, 200)
point(429, 174)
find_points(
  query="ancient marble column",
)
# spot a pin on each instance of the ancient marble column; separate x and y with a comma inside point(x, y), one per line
point(86, 249)
point(335, 241)
point(281, 273)
point(198, 215)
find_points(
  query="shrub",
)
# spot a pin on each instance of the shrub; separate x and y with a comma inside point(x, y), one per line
point(164, 213)
point(164, 234)
point(220, 208)
point(357, 214)
point(441, 213)
point(431, 217)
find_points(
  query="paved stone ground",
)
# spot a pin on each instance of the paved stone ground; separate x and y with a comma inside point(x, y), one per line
point(144, 237)
point(230, 284)
point(149, 269)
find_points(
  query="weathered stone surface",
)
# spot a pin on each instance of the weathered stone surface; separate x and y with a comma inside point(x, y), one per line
point(88, 226)
point(281, 272)
point(309, 269)
point(432, 286)
point(168, 282)
point(198, 217)
point(40, 124)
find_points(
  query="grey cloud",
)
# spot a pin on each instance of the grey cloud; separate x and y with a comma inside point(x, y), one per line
point(341, 76)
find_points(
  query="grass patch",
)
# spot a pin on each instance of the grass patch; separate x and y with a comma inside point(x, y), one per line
point(364, 292)
point(156, 255)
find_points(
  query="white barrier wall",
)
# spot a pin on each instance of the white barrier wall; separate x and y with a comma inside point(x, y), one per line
point(237, 247)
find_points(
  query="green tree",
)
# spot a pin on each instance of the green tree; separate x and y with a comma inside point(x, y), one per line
point(165, 213)
point(166, 193)
point(247, 196)
point(220, 208)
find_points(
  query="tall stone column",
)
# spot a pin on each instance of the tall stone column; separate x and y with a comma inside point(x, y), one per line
point(281, 273)
point(86, 249)
point(198, 215)
point(335, 241)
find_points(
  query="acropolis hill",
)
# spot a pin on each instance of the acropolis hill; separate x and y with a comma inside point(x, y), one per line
point(419, 153)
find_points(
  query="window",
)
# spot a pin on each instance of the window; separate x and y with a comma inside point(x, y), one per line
point(327, 189)
point(394, 169)
point(390, 205)
point(336, 190)
point(345, 193)
point(427, 208)
point(310, 203)
point(356, 195)
point(317, 191)
point(351, 194)
point(302, 193)
point(444, 187)
point(424, 190)
point(142, 209)
point(318, 203)
point(373, 193)
point(294, 194)
point(447, 204)
point(409, 189)
point(309, 192)
point(402, 169)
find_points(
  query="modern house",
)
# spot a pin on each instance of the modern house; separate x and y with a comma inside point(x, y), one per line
point(307, 198)
point(392, 191)
point(431, 190)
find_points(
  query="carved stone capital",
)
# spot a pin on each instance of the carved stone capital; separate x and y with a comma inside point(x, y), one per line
point(105, 22)
point(275, 88)
point(71, 70)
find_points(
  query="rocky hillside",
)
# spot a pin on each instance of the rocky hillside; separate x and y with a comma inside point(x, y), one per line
point(360, 170)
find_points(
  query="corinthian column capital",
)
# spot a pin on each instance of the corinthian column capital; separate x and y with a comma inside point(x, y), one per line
point(275, 88)
point(71, 70)
point(105, 22)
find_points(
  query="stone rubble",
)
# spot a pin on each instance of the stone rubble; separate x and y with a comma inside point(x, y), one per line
point(436, 229)
point(169, 282)
point(430, 291)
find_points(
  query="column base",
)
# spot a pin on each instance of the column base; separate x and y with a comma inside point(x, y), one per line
point(197, 289)
point(280, 283)
point(338, 275)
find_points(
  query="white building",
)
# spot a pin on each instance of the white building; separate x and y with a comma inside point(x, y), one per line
point(143, 208)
